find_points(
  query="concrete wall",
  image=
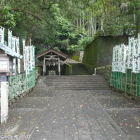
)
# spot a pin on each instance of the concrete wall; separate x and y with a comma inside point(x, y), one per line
point(81, 56)
point(99, 52)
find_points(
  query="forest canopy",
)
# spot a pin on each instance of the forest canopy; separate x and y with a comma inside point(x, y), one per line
point(69, 24)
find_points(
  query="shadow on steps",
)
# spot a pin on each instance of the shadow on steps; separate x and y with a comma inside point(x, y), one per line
point(77, 69)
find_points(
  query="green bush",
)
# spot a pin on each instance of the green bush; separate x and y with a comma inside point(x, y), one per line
point(75, 56)
point(38, 69)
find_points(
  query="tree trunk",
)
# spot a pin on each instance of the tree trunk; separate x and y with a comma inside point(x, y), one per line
point(77, 23)
point(29, 36)
point(137, 25)
point(80, 20)
point(95, 25)
point(83, 20)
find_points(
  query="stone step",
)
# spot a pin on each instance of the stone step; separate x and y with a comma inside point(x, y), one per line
point(68, 76)
point(72, 80)
point(80, 85)
point(79, 69)
point(77, 79)
point(80, 88)
point(96, 88)
point(75, 83)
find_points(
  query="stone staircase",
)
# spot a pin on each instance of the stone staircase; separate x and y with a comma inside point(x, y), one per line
point(75, 82)
point(79, 69)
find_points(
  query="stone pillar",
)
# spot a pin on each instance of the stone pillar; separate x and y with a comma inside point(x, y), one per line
point(4, 98)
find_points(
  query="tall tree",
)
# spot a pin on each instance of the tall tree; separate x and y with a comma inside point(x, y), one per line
point(69, 23)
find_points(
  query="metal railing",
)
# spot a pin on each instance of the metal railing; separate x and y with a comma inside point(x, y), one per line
point(21, 83)
point(125, 73)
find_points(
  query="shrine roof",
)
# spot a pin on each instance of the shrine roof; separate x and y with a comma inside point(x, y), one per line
point(9, 51)
point(47, 52)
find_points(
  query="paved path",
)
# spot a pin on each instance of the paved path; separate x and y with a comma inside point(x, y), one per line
point(50, 114)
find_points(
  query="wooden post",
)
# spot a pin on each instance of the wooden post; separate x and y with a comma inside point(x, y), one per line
point(59, 68)
point(4, 98)
point(24, 57)
point(44, 67)
point(18, 51)
point(14, 50)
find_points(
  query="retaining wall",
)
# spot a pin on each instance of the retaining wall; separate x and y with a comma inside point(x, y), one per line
point(99, 52)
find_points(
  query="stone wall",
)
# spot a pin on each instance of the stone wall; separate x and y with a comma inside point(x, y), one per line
point(105, 71)
point(67, 69)
point(89, 68)
point(19, 97)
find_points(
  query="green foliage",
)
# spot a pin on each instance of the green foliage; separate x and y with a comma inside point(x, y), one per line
point(117, 17)
point(56, 48)
point(75, 56)
point(39, 49)
point(38, 70)
point(69, 24)
point(72, 48)
point(7, 18)
point(83, 42)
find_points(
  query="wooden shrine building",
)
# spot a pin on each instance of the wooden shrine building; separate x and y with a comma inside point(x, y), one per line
point(51, 60)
